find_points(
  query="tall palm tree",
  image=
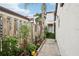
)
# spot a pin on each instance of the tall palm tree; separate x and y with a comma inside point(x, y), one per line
point(38, 17)
point(43, 8)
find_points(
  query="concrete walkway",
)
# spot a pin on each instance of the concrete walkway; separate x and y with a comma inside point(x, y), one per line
point(50, 48)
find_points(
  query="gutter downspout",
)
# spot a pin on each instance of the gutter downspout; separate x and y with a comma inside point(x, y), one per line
point(55, 14)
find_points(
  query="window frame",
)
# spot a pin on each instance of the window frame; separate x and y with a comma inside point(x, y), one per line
point(61, 4)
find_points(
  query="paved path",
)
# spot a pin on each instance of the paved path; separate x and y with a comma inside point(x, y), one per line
point(50, 48)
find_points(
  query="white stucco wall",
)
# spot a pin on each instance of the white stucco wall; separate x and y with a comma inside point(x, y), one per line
point(67, 34)
point(50, 20)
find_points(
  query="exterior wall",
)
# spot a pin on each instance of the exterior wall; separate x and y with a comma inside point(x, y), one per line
point(50, 20)
point(14, 26)
point(6, 25)
point(67, 29)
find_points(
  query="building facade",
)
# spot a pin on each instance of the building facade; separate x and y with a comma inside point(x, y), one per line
point(10, 23)
point(49, 22)
point(67, 28)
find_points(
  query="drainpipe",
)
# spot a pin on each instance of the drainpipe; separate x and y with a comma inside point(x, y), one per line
point(55, 14)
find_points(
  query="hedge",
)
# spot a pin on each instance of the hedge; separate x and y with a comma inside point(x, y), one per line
point(50, 35)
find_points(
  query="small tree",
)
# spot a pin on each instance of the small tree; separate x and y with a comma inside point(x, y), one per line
point(38, 20)
point(43, 9)
point(24, 31)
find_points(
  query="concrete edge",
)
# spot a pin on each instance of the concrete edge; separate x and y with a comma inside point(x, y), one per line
point(40, 47)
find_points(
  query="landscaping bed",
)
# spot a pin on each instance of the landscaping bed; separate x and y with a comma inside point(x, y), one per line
point(10, 47)
point(9, 44)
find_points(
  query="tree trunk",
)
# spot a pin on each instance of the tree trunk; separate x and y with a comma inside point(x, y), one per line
point(43, 19)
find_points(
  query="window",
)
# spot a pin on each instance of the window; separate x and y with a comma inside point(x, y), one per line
point(1, 26)
point(50, 27)
point(61, 5)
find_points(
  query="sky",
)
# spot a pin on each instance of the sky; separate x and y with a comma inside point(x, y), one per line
point(30, 10)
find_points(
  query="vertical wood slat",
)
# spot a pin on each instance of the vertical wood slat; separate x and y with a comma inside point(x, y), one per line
point(1, 31)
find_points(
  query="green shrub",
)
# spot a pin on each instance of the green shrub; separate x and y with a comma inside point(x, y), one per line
point(31, 47)
point(9, 46)
point(24, 31)
point(50, 35)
